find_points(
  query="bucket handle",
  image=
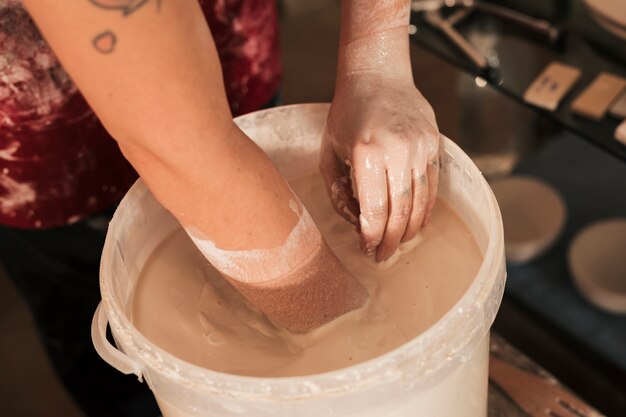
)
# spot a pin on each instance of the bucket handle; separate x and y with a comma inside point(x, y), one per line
point(106, 350)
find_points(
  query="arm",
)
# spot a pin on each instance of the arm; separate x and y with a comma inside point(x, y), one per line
point(382, 128)
point(150, 71)
point(153, 77)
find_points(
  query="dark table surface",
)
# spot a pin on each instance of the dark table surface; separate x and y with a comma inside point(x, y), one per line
point(520, 56)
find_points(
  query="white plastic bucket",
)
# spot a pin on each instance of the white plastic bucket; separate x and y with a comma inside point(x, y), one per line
point(440, 373)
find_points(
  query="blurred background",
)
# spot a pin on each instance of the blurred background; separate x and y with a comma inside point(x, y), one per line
point(484, 112)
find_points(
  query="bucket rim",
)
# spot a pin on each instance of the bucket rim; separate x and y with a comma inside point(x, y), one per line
point(472, 314)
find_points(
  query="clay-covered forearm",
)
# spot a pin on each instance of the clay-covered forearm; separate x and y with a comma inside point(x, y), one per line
point(360, 18)
point(374, 38)
point(150, 71)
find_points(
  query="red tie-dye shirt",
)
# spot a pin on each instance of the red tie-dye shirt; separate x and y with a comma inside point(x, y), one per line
point(57, 163)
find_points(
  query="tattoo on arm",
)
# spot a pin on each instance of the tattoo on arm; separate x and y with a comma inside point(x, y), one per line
point(104, 42)
point(127, 7)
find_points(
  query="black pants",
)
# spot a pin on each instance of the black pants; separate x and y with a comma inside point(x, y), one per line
point(56, 271)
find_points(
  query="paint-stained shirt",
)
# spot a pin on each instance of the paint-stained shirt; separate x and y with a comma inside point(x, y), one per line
point(58, 165)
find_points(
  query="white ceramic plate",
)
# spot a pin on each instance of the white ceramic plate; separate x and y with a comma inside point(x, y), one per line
point(610, 15)
point(597, 261)
point(613, 11)
point(607, 25)
point(533, 214)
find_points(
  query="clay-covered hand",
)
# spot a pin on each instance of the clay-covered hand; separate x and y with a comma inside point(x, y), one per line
point(383, 132)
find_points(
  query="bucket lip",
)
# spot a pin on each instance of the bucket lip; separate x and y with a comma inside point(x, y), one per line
point(378, 370)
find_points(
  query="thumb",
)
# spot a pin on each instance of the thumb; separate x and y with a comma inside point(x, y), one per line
point(336, 176)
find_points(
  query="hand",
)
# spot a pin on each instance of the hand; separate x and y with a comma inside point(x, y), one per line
point(385, 131)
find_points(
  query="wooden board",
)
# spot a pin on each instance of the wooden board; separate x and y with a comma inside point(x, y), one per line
point(504, 394)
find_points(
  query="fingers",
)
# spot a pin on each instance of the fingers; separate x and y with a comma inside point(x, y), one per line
point(371, 180)
point(393, 203)
point(388, 220)
point(432, 173)
point(419, 204)
point(338, 185)
point(400, 202)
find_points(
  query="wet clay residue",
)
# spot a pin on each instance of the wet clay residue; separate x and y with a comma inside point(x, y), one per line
point(184, 306)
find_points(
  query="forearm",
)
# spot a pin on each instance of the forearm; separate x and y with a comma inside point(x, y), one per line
point(153, 77)
point(374, 38)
